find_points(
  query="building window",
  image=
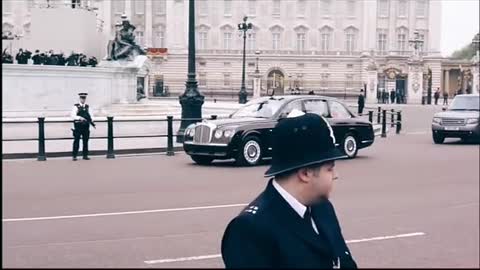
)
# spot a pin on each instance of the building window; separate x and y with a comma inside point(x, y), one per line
point(382, 41)
point(325, 7)
point(350, 40)
point(422, 46)
point(159, 6)
point(351, 8)
point(301, 42)
point(402, 8)
point(276, 8)
point(140, 6)
point(420, 8)
point(383, 8)
point(119, 6)
point(227, 7)
point(227, 40)
point(7, 6)
point(226, 79)
point(202, 79)
point(349, 66)
point(202, 40)
point(324, 65)
point(301, 8)
point(252, 7)
point(276, 41)
point(349, 81)
point(325, 39)
point(402, 39)
point(251, 41)
point(300, 65)
point(203, 7)
point(227, 64)
point(324, 80)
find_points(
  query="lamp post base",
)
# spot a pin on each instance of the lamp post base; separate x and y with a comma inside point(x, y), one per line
point(242, 96)
point(191, 102)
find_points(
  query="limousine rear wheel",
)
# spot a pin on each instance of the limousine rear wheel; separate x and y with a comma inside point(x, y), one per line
point(250, 153)
point(202, 160)
point(350, 146)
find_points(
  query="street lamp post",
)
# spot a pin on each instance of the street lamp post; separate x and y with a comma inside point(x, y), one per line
point(244, 27)
point(257, 53)
point(191, 100)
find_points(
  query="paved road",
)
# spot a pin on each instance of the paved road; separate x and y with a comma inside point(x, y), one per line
point(423, 198)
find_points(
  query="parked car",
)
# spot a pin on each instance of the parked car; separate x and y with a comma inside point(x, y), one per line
point(246, 134)
point(460, 120)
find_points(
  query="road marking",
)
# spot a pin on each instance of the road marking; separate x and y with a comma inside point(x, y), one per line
point(417, 133)
point(214, 256)
point(126, 213)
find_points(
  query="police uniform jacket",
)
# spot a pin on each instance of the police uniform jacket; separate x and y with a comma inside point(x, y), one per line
point(270, 234)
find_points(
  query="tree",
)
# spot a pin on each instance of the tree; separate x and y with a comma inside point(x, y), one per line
point(465, 53)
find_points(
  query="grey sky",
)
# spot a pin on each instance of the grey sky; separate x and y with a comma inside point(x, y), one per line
point(460, 23)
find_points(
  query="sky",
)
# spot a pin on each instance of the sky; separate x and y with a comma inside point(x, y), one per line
point(460, 23)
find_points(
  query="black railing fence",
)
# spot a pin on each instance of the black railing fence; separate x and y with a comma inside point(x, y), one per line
point(170, 149)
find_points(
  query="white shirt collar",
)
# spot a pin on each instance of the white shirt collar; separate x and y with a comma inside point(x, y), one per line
point(294, 203)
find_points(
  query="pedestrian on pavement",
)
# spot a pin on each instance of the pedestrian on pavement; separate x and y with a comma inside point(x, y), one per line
point(82, 119)
point(384, 96)
point(361, 102)
point(379, 95)
point(37, 60)
point(445, 98)
point(436, 96)
point(292, 223)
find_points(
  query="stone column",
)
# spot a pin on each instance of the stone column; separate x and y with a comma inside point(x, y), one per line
point(447, 81)
point(257, 85)
point(148, 23)
point(128, 9)
point(476, 78)
point(415, 82)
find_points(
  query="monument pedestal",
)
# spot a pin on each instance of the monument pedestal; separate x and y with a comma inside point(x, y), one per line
point(372, 83)
point(476, 75)
point(415, 79)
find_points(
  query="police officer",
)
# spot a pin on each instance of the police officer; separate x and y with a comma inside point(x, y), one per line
point(292, 224)
point(361, 102)
point(82, 119)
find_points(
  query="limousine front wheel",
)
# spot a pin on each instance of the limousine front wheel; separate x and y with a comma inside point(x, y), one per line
point(202, 160)
point(349, 146)
point(250, 153)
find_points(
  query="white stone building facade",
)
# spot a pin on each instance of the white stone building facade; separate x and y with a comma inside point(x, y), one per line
point(320, 45)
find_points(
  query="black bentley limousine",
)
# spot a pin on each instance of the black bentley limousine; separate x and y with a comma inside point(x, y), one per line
point(246, 134)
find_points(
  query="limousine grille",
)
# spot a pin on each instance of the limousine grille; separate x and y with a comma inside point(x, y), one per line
point(202, 134)
point(453, 122)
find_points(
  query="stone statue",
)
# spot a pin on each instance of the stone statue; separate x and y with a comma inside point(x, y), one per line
point(123, 46)
point(372, 65)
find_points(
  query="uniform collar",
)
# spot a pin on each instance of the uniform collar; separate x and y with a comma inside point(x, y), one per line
point(292, 201)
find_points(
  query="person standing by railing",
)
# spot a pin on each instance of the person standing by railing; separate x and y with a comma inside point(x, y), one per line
point(361, 102)
point(82, 119)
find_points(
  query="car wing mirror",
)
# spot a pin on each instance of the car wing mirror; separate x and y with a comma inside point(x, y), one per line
point(444, 108)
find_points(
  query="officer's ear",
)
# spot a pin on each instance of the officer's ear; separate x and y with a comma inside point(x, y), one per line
point(306, 174)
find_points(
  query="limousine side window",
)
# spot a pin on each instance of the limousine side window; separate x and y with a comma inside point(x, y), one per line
point(294, 105)
point(337, 110)
point(317, 107)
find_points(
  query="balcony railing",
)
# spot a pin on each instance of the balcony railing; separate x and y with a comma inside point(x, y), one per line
point(279, 52)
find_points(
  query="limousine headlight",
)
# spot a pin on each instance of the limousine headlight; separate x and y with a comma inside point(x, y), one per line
point(228, 133)
point(190, 130)
point(437, 120)
point(218, 133)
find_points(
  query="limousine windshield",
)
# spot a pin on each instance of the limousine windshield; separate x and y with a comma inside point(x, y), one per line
point(260, 109)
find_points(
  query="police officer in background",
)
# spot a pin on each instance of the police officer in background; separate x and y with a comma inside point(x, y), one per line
point(292, 224)
point(361, 102)
point(82, 119)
